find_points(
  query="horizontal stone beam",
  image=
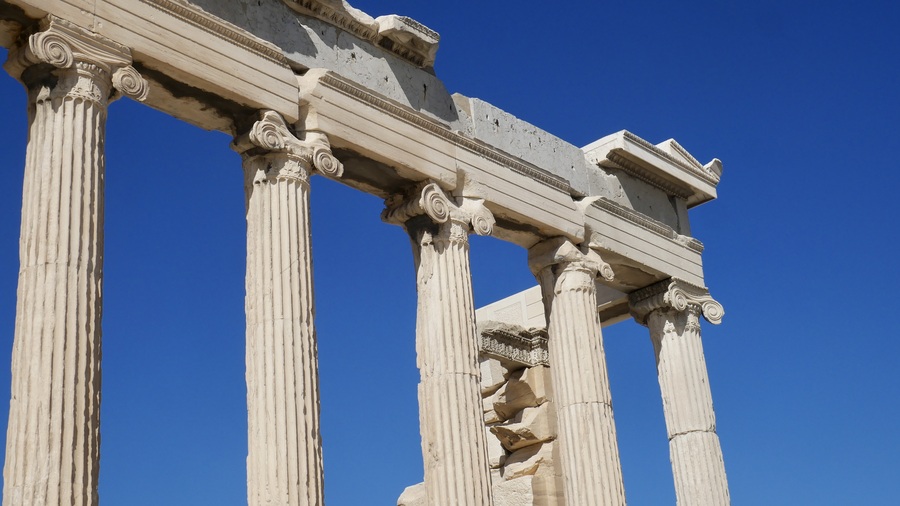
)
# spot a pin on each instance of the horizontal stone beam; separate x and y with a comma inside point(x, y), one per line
point(211, 63)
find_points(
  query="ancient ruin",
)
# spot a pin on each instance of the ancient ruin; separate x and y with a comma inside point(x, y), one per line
point(515, 406)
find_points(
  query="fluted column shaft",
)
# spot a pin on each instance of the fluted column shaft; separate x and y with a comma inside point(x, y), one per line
point(589, 450)
point(454, 449)
point(673, 317)
point(284, 461)
point(53, 436)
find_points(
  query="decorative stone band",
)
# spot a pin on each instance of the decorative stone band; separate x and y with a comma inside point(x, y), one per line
point(64, 45)
point(674, 294)
point(513, 343)
point(560, 251)
point(431, 200)
point(271, 134)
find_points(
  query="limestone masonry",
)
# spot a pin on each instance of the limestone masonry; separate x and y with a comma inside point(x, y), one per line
point(515, 406)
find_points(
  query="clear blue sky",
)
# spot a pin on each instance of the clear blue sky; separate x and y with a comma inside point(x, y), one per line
point(799, 99)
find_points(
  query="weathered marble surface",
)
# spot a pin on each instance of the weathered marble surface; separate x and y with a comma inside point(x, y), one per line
point(589, 451)
point(53, 437)
point(453, 439)
point(351, 96)
point(672, 311)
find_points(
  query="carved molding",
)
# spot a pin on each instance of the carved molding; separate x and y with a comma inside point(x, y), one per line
point(704, 174)
point(674, 294)
point(64, 45)
point(647, 223)
point(271, 134)
point(514, 343)
point(616, 160)
point(351, 89)
point(405, 37)
point(220, 28)
point(559, 251)
point(429, 199)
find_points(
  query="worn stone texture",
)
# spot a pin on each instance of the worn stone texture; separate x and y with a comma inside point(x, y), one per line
point(514, 492)
point(454, 449)
point(529, 387)
point(672, 310)
point(493, 375)
point(53, 436)
point(284, 461)
point(696, 455)
point(338, 78)
point(523, 447)
point(526, 461)
point(587, 433)
point(413, 495)
point(528, 427)
point(496, 452)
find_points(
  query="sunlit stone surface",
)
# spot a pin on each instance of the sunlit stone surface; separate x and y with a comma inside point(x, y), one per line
point(53, 438)
point(515, 410)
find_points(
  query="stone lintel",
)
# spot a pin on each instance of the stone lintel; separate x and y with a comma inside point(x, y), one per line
point(217, 63)
point(12, 21)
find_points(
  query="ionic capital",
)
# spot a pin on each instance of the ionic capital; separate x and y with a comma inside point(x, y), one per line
point(271, 135)
point(561, 255)
point(65, 46)
point(429, 199)
point(674, 294)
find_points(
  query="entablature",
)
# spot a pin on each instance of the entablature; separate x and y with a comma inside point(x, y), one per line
point(214, 63)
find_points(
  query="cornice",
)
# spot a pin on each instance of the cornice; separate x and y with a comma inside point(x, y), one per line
point(674, 294)
point(683, 152)
point(219, 28)
point(647, 223)
point(698, 171)
point(514, 343)
point(337, 13)
point(401, 35)
point(420, 121)
point(636, 170)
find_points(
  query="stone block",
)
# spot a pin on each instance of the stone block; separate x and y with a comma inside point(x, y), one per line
point(547, 489)
point(529, 387)
point(514, 492)
point(530, 427)
point(523, 140)
point(496, 452)
point(529, 461)
point(493, 375)
point(413, 495)
point(490, 416)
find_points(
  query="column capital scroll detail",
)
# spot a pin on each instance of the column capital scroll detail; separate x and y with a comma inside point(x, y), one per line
point(271, 134)
point(64, 45)
point(675, 294)
point(560, 251)
point(429, 199)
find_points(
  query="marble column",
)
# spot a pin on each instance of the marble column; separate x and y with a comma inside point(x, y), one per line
point(589, 450)
point(284, 462)
point(451, 419)
point(672, 310)
point(53, 437)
